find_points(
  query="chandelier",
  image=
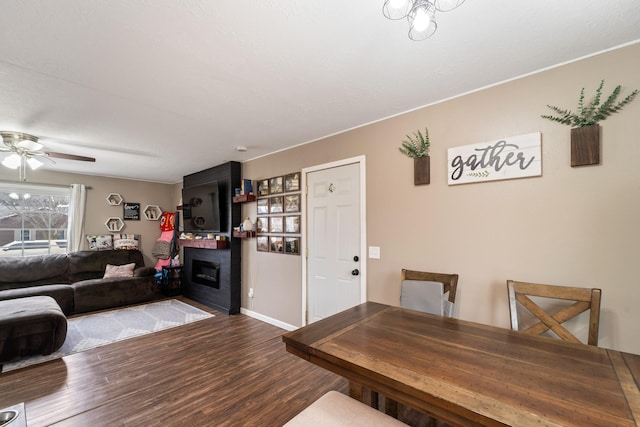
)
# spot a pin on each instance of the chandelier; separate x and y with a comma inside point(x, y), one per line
point(421, 14)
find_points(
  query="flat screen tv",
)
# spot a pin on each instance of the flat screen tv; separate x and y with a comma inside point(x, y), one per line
point(201, 208)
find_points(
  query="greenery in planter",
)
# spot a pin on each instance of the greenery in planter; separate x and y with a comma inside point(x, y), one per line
point(416, 146)
point(593, 112)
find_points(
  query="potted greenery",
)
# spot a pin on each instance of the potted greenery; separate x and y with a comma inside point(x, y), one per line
point(585, 134)
point(417, 148)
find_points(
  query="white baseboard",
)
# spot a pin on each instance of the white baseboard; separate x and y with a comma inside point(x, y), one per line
point(268, 319)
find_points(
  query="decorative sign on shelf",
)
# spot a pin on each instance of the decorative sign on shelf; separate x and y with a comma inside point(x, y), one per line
point(513, 157)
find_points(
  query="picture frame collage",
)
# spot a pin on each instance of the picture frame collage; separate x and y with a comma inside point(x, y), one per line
point(278, 218)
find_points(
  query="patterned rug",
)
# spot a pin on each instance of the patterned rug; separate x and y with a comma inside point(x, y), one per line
point(98, 329)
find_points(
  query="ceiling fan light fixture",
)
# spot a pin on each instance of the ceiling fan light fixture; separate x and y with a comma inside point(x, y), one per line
point(12, 161)
point(34, 163)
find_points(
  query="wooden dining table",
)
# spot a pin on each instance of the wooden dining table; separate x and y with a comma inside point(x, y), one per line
point(471, 374)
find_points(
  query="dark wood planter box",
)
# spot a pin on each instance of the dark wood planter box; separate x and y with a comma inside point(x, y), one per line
point(585, 146)
point(421, 171)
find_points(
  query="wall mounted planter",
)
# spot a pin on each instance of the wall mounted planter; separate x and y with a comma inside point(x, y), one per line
point(421, 170)
point(585, 146)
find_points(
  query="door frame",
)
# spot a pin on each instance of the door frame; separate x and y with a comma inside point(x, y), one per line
point(361, 161)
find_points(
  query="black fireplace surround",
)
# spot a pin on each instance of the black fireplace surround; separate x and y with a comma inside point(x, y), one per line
point(212, 276)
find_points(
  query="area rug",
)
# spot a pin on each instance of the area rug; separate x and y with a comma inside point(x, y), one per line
point(94, 330)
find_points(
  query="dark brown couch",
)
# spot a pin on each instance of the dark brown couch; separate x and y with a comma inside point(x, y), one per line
point(75, 280)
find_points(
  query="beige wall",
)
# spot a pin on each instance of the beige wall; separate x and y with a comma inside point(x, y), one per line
point(98, 210)
point(572, 226)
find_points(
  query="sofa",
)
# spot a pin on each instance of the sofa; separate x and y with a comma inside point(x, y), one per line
point(75, 280)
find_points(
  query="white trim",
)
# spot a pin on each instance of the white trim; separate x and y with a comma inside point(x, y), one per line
point(268, 319)
point(361, 160)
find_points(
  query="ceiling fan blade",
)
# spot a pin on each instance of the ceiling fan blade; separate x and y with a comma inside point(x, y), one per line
point(29, 145)
point(69, 156)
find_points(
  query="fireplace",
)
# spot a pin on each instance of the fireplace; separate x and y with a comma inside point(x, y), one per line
point(208, 279)
point(205, 273)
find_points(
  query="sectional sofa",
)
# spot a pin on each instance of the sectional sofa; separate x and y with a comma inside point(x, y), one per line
point(76, 280)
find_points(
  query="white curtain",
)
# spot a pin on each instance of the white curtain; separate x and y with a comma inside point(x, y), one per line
point(75, 230)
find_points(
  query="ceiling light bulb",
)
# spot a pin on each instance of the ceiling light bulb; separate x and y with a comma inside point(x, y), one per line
point(422, 20)
point(13, 161)
point(396, 9)
point(34, 163)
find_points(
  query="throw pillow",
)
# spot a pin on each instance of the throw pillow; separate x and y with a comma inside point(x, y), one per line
point(100, 242)
point(119, 270)
point(126, 241)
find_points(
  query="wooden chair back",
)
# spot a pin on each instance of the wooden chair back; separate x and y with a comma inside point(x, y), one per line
point(450, 281)
point(585, 299)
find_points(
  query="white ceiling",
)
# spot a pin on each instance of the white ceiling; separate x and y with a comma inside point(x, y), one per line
point(157, 89)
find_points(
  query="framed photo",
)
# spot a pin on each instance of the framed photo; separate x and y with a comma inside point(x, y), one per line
point(275, 185)
point(292, 203)
point(275, 224)
point(263, 206)
point(131, 211)
point(292, 245)
point(275, 204)
point(263, 243)
point(292, 182)
point(262, 224)
point(292, 224)
point(276, 244)
point(263, 187)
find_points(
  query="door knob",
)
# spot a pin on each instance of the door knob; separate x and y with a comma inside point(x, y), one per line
point(355, 272)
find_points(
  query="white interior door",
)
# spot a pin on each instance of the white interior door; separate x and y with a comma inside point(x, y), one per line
point(334, 241)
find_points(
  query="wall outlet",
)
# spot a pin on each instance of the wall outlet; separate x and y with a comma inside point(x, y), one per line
point(250, 292)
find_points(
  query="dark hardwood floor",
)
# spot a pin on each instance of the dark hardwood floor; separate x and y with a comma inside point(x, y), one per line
point(222, 371)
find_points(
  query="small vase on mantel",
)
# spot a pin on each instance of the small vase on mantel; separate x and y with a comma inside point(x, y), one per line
point(421, 170)
point(585, 146)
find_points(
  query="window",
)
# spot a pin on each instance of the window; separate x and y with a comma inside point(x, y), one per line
point(33, 219)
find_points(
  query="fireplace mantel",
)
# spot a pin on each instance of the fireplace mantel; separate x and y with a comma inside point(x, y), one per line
point(204, 243)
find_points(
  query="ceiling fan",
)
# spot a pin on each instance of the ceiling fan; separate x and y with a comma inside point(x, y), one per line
point(25, 151)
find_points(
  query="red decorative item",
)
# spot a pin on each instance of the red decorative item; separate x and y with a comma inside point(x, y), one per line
point(167, 221)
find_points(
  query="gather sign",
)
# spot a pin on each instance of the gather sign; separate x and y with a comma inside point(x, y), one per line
point(513, 157)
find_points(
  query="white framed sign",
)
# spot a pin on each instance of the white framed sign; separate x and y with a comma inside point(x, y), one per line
point(513, 157)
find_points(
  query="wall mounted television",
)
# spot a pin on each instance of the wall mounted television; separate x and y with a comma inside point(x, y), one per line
point(201, 208)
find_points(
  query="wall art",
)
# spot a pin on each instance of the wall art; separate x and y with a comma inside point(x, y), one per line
point(513, 157)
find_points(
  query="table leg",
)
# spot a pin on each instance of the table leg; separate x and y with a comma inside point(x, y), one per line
point(355, 391)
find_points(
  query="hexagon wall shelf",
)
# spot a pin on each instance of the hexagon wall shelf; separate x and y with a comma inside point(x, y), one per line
point(152, 212)
point(114, 224)
point(114, 199)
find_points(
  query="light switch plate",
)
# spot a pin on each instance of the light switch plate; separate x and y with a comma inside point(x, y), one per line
point(374, 252)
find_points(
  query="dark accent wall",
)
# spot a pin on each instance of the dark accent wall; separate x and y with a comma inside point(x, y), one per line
point(227, 297)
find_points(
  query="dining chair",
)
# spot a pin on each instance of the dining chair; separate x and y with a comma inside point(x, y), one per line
point(433, 293)
point(548, 307)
